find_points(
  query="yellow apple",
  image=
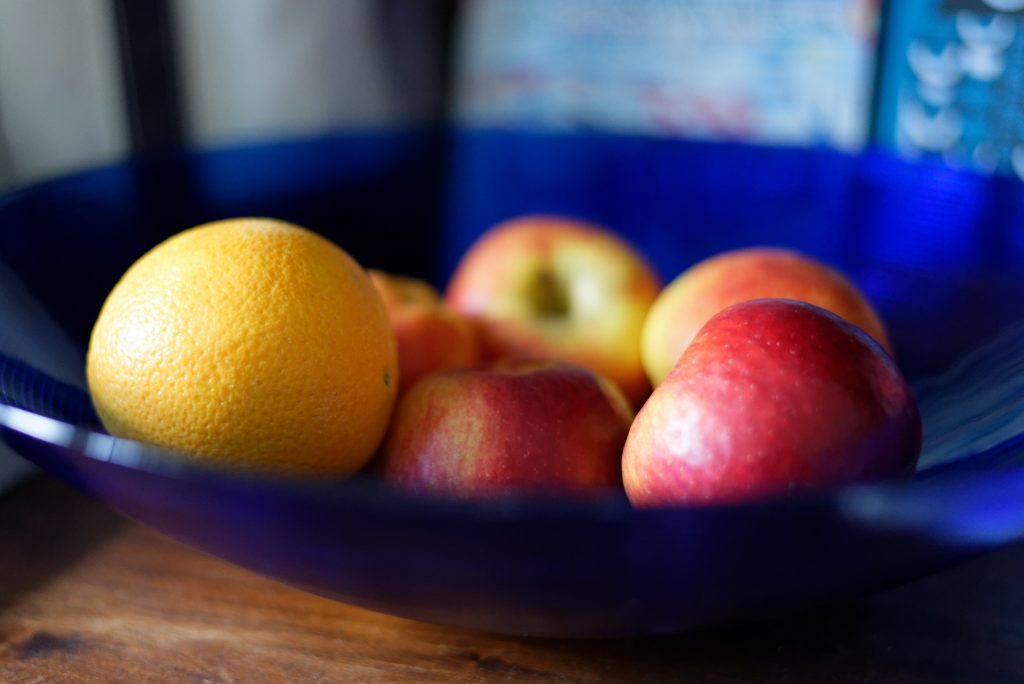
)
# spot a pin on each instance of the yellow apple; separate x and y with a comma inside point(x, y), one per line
point(553, 288)
point(732, 277)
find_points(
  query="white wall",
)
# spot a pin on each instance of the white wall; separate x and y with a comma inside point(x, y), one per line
point(60, 93)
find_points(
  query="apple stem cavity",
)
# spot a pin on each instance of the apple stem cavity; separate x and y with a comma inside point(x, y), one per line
point(548, 295)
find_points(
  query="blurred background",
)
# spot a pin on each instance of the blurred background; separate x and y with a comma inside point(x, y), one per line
point(88, 82)
point(403, 128)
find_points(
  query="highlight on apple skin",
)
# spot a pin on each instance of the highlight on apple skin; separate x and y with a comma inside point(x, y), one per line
point(772, 397)
point(431, 336)
point(553, 288)
point(689, 301)
point(538, 428)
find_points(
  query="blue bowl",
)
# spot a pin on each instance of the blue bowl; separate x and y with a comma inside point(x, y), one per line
point(939, 251)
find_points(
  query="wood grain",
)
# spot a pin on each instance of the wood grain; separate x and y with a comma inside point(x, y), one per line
point(86, 596)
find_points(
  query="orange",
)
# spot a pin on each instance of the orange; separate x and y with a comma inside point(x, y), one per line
point(251, 342)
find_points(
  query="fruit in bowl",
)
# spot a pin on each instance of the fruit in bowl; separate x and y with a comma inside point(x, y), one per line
point(549, 428)
point(250, 341)
point(728, 278)
point(256, 342)
point(553, 288)
point(431, 336)
point(772, 396)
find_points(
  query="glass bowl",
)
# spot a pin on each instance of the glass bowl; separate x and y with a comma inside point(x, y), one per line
point(938, 251)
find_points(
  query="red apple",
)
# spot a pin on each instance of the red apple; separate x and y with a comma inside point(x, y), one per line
point(771, 396)
point(732, 277)
point(552, 288)
point(553, 428)
point(431, 336)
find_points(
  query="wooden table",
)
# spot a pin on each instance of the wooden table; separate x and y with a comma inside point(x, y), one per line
point(86, 596)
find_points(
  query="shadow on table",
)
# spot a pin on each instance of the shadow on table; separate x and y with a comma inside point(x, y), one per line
point(45, 527)
point(960, 626)
point(964, 625)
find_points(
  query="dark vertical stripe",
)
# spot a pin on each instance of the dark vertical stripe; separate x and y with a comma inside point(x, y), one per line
point(448, 16)
point(879, 78)
point(152, 97)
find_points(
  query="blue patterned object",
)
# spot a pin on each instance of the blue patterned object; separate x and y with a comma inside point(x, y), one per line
point(939, 251)
point(952, 83)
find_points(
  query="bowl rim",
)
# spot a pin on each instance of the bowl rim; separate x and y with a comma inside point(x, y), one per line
point(936, 495)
